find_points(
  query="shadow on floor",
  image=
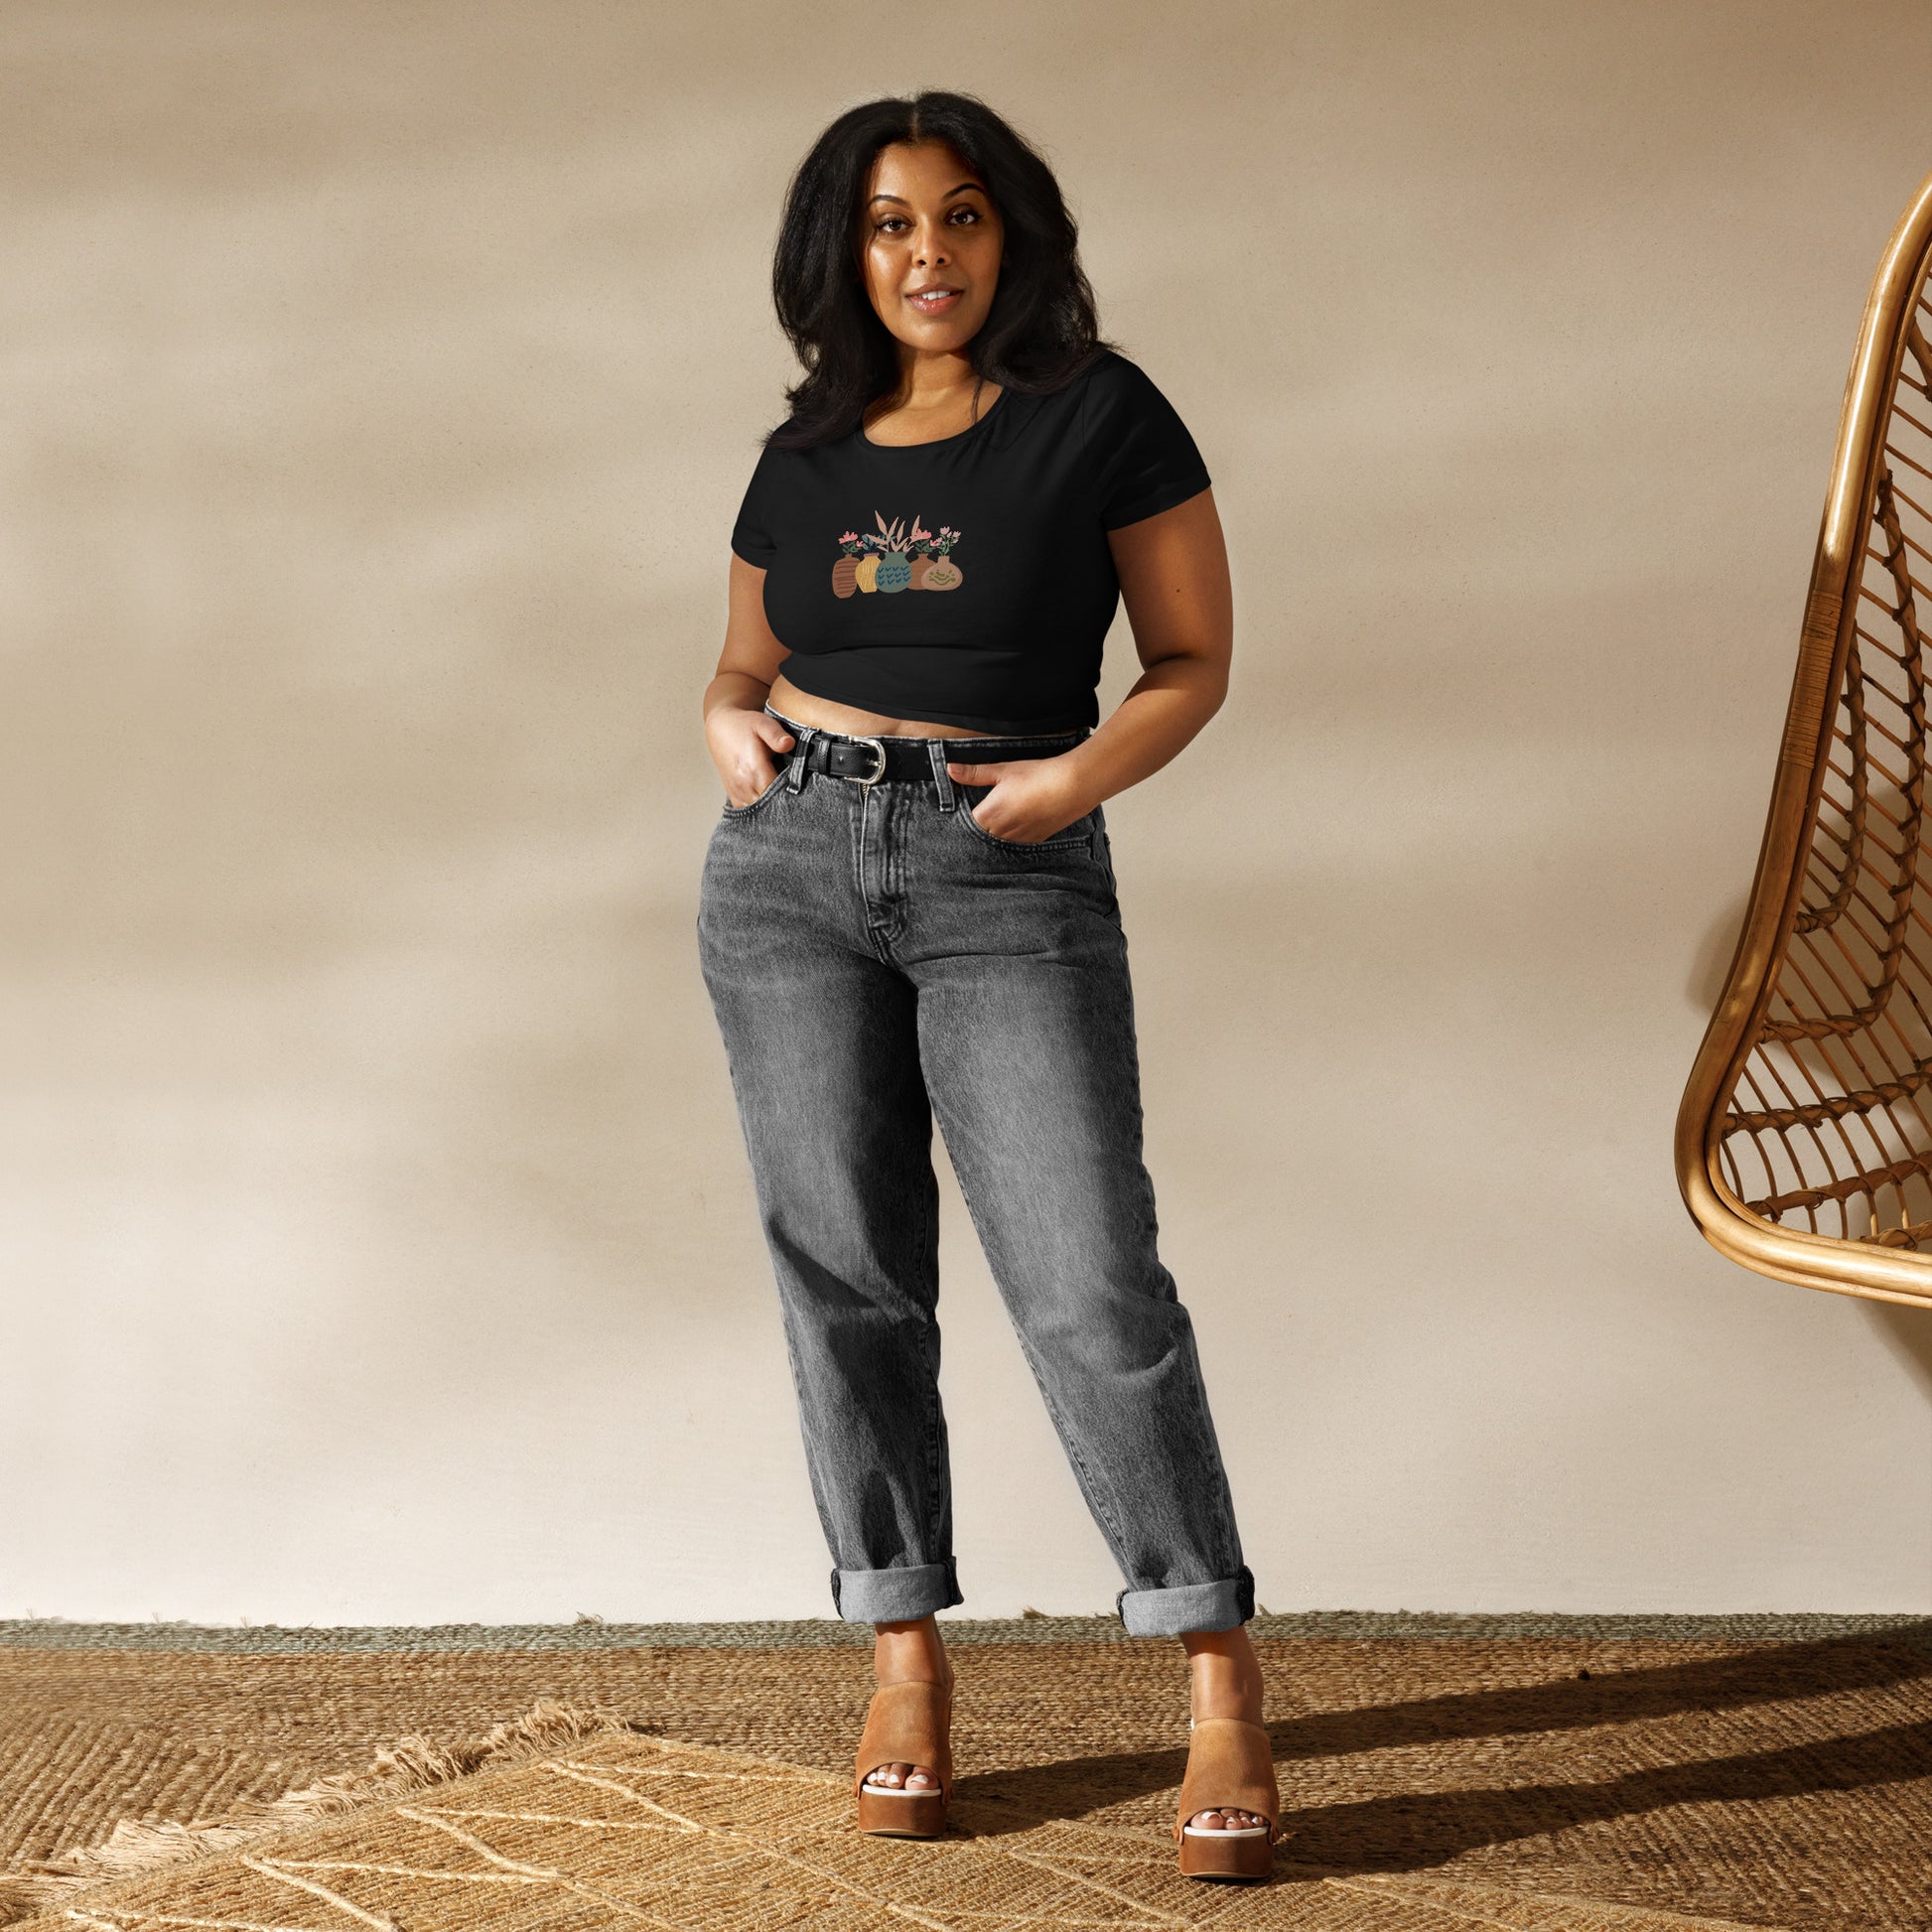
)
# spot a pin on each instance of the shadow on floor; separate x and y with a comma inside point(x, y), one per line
point(1414, 1831)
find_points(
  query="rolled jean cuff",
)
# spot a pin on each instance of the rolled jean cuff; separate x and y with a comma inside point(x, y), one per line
point(1187, 1606)
point(895, 1595)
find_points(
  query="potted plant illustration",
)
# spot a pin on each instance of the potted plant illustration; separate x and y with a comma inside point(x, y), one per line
point(845, 572)
point(880, 560)
point(922, 543)
point(895, 572)
point(942, 574)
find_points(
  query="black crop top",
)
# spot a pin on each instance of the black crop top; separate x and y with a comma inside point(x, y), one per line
point(968, 581)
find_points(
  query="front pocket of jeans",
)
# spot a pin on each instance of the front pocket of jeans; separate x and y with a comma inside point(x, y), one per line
point(770, 790)
point(1077, 834)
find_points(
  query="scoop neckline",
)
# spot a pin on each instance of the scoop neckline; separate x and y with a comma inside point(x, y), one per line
point(937, 442)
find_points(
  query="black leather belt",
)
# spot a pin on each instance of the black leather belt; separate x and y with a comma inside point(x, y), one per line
point(868, 759)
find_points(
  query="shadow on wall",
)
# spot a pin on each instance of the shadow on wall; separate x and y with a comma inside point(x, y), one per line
point(1907, 1332)
point(1706, 984)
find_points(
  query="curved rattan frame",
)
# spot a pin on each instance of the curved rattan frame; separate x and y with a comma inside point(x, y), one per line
point(1881, 1265)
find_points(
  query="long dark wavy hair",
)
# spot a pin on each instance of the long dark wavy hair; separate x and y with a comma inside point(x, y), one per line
point(1041, 330)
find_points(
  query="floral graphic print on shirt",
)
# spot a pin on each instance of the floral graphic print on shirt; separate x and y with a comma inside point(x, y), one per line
point(1041, 480)
point(879, 560)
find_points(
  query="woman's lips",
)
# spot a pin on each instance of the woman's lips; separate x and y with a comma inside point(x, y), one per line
point(937, 305)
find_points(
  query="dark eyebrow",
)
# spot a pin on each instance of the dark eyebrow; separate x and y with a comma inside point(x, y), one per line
point(903, 202)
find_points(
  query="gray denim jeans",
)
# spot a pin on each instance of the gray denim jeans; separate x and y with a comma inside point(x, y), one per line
point(876, 958)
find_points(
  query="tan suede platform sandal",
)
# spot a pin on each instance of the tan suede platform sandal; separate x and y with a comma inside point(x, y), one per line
point(1231, 1765)
point(909, 1722)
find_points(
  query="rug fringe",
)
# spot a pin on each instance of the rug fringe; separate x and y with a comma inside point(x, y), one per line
point(411, 1765)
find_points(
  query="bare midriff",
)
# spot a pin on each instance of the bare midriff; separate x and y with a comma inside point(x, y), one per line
point(854, 723)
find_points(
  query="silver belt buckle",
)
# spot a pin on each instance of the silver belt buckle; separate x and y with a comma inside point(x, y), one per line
point(867, 783)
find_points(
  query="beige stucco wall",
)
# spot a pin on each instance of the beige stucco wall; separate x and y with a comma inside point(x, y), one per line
point(380, 385)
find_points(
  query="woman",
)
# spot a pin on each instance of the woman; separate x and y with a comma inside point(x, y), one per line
point(908, 904)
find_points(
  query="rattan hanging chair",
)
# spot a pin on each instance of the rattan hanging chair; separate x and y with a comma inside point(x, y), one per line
point(1804, 1143)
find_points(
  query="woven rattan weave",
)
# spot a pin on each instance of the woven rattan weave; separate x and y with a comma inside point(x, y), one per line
point(1804, 1145)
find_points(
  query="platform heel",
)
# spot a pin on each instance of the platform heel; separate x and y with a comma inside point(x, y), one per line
point(1231, 1765)
point(908, 1723)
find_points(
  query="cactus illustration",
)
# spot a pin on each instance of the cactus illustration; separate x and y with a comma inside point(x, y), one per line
point(845, 572)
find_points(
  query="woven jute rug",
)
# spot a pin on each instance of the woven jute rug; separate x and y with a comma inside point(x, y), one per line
point(578, 1821)
point(1450, 1773)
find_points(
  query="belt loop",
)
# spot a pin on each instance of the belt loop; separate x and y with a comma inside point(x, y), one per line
point(795, 777)
point(941, 778)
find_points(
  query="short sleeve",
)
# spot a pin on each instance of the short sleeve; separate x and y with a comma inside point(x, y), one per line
point(755, 535)
point(1144, 457)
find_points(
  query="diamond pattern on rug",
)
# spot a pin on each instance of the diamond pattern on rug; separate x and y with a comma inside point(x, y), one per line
point(612, 1827)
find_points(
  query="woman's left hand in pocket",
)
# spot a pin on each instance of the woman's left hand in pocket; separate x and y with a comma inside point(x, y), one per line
point(1031, 799)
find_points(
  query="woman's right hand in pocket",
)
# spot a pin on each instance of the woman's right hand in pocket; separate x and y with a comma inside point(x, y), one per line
point(745, 747)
